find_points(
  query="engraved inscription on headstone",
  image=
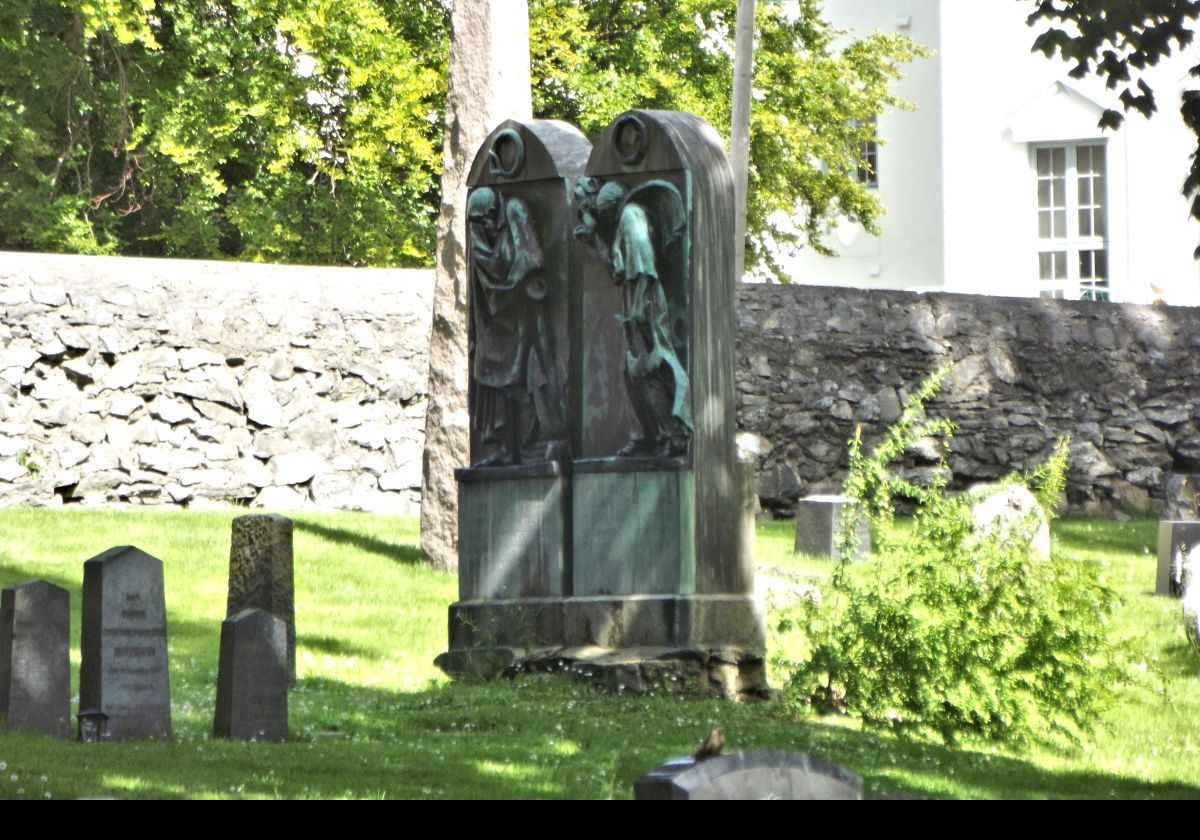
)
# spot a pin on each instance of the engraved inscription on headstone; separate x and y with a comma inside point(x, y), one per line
point(252, 703)
point(35, 665)
point(260, 573)
point(123, 673)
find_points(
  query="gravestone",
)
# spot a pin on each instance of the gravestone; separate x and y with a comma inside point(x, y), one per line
point(755, 774)
point(261, 573)
point(123, 674)
point(35, 665)
point(818, 520)
point(1175, 540)
point(252, 678)
point(600, 522)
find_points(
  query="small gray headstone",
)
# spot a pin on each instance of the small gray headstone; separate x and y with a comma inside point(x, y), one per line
point(35, 664)
point(755, 774)
point(123, 674)
point(818, 519)
point(252, 702)
point(260, 573)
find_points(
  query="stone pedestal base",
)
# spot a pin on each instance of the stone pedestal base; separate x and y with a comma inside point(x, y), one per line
point(630, 643)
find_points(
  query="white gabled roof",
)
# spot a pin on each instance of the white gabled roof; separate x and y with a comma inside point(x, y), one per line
point(1057, 114)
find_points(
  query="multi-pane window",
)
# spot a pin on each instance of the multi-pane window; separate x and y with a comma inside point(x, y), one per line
point(1072, 222)
point(868, 152)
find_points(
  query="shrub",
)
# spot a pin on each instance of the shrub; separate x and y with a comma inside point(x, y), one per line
point(949, 630)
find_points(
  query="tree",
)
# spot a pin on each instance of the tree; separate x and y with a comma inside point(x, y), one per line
point(814, 105)
point(310, 130)
point(289, 130)
point(1118, 39)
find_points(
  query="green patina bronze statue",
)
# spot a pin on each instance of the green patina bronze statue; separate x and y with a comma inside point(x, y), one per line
point(517, 407)
point(641, 236)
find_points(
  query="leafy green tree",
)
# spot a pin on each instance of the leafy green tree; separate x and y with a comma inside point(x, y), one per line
point(310, 130)
point(297, 130)
point(813, 110)
point(1118, 39)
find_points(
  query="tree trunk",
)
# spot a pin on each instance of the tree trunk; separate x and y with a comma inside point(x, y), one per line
point(489, 82)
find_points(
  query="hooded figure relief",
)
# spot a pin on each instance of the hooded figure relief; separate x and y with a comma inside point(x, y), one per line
point(516, 411)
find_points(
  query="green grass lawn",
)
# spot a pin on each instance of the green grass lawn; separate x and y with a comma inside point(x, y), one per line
point(371, 716)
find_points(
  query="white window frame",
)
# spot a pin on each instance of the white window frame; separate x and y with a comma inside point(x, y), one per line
point(1060, 253)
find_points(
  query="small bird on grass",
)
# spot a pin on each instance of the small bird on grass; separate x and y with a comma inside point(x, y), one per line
point(712, 744)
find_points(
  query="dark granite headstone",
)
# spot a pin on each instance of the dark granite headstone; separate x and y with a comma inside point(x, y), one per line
point(755, 774)
point(252, 679)
point(123, 674)
point(260, 573)
point(35, 665)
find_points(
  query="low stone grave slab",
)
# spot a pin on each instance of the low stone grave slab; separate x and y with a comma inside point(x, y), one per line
point(754, 774)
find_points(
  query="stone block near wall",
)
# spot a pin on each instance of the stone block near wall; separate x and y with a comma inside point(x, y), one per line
point(1175, 539)
point(818, 520)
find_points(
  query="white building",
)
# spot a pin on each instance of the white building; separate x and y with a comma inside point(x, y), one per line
point(1001, 181)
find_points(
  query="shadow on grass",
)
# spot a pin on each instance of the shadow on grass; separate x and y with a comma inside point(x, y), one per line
point(535, 737)
point(335, 647)
point(400, 552)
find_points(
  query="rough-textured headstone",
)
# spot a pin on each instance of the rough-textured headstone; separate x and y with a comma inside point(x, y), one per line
point(123, 673)
point(1010, 513)
point(35, 665)
point(818, 521)
point(252, 678)
point(755, 774)
point(488, 82)
point(1175, 540)
point(261, 573)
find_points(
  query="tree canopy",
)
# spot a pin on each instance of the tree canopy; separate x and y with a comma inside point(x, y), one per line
point(1119, 39)
point(310, 130)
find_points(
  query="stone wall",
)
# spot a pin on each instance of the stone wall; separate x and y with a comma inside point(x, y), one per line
point(162, 381)
point(815, 361)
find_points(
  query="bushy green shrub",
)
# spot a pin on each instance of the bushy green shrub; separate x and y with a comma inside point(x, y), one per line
point(949, 630)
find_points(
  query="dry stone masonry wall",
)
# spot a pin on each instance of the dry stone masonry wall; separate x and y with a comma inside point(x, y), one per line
point(1121, 379)
point(182, 382)
point(160, 381)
